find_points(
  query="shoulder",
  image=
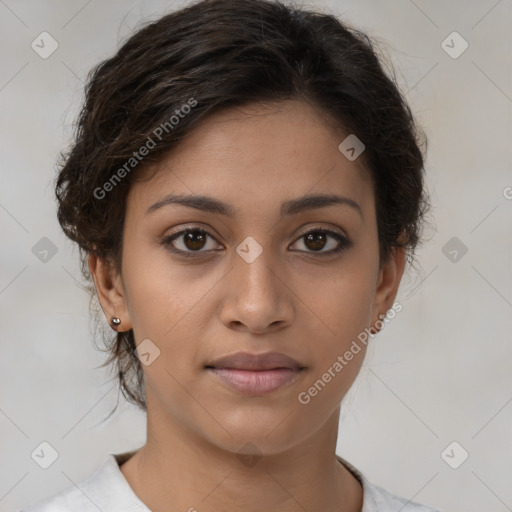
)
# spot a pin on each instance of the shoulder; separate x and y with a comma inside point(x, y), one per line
point(105, 490)
point(377, 499)
point(65, 501)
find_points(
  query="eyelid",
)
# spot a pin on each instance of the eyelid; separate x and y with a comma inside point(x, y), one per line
point(329, 230)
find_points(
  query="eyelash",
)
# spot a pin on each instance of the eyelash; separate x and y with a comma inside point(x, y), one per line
point(344, 243)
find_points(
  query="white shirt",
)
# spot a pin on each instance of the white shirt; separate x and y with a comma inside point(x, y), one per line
point(107, 490)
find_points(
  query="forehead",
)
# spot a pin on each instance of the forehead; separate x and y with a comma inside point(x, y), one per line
point(257, 156)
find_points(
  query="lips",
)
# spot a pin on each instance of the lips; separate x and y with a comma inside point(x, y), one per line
point(264, 361)
point(255, 374)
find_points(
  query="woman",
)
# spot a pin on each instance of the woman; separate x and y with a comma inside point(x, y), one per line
point(245, 187)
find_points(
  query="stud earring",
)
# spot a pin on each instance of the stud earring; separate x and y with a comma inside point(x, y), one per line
point(116, 322)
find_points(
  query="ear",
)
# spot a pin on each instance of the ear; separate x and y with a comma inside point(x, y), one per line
point(390, 275)
point(109, 288)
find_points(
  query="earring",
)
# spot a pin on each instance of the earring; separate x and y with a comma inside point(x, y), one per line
point(116, 322)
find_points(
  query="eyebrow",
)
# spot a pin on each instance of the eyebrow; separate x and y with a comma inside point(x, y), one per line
point(291, 207)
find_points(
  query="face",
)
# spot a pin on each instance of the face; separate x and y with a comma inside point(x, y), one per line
point(267, 274)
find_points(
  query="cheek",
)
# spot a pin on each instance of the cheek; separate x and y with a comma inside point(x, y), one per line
point(169, 305)
point(345, 312)
point(351, 309)
point(338, 338)
point(339, 296)
point(344, 319)
point(160, 293)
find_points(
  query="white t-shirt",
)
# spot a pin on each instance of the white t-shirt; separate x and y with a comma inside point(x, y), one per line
point(108, 490)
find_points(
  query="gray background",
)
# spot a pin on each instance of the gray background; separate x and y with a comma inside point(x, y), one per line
point(439, 372)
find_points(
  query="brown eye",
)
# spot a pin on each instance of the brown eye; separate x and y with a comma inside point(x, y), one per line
point(190, 241)
point(317, 239)
point(194, 240)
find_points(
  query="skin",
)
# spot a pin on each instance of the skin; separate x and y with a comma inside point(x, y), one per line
point(290, 299)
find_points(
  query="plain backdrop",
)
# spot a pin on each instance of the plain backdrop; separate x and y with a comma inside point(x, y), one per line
point(437, 381)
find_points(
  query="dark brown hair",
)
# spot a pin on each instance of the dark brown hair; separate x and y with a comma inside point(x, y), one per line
point(209, 56)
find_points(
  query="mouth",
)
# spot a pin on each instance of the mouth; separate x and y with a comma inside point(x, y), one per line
point(256, 374)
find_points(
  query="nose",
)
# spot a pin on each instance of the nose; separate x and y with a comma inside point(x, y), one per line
point(257, 298)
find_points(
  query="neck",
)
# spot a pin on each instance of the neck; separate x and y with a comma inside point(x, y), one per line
point(179, 470)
